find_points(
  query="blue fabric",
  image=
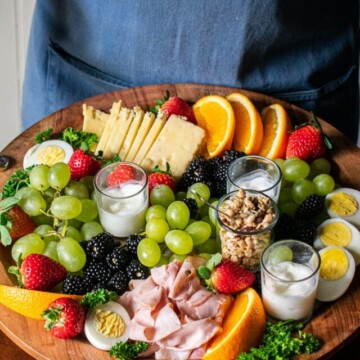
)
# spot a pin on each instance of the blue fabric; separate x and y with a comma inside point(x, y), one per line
point(305, 52)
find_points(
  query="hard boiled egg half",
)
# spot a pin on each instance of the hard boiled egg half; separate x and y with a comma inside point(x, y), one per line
point(336, 273)
point(106, 325)
point(48, 153)
point(338, 232)
point(344, 203)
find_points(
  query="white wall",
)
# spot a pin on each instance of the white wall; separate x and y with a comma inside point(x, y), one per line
point(14, 30)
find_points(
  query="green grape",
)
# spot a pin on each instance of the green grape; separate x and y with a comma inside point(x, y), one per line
point(180, 195)
point(27, 191)
point(179, 242)
point(50, 250)
point(148, 252)
point(163, 261)
point(177, 257)
point(212, 212)
point(206, 256)
point(156, 229)
point(288, 208)
point(324, 184)
point(280, 254)
point(210, 246)
point(71, 232)
point(155, 211)
point(43, 230)
point(39, 177)
point(162, 195)
point(279, 162)
point(200, 231)
point(178, 215)
point(203, 190)
point(88, 181)
point(285, 195)
point(295, 169)
point(59, 175)
point(71, 255)
point(66, 207)
point(43, 219)
point(33, 204)
point(301, 189)
point(212, 225)
point(203, 211)
point(89, 210)
point(28, 244)
point(50, 192)
point(77, 189)
point(91, 229)
point(319, 166)
point(73, 222)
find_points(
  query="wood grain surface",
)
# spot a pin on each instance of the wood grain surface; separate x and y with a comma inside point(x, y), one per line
point(334, 323)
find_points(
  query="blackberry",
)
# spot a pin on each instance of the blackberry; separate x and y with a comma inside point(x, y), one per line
point(284, 228)
point(219, 188)
point(303, 230)
point(135, 270)
point(220, 171)
point(198, 170)
point(230, 155)
point(119, 258)
point(313, 205)
point(133, 242)
point(97, 271)
point(76, 285)
point(100, 245)
point(119, 282)
point(192, 206)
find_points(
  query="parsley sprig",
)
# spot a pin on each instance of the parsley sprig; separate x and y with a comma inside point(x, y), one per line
point(128, 350)
point(79, 139)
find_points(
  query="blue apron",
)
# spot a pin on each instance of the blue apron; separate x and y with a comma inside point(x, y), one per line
point(305, 52)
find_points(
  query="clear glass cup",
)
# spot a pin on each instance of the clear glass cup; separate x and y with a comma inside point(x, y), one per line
point(289, 280)
point(254, 172)
point(122, 208)
point(246, 219)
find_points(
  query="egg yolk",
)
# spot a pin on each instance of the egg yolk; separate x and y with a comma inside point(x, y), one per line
point(334, 264)
point(335, 233)
point(50, 155)
point(343, 204)
point(109, 323)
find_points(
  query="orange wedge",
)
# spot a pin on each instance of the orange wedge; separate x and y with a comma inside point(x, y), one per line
point(30, 303)
point(277, 126)
point(248, 125)
point(243, 328)
point(216, 116)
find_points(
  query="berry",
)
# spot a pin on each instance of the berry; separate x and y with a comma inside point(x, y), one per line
point(160, 177)
point(303, 230)
point(119, 282)
point(39, 272)
point(76, 285)
point(220, 171)
point(121, 174)
point(100, 245)
point(65, 318)
point(312, 205)
point(192, 206)
point(132, 243)
point(82, 164)
point(119, 258)
point(231, 155)
point(97, 271)
point(177, 106)
point(135, 270)
point(284, 228)
point(198, 170)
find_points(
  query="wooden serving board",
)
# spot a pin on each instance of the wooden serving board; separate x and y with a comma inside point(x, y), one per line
point(333, 323)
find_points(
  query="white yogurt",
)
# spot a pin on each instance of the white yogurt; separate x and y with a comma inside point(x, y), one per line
point(289, 298)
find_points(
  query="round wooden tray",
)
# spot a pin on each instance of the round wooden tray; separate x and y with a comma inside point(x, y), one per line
point(333, 323)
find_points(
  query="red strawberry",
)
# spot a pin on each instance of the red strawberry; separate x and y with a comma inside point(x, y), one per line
point(39, 272)
point(160, 177)
point(120, 175)
point(14, 223)
point(307, 142)
point(82, 164)
point(65, 318)
point(177, 106)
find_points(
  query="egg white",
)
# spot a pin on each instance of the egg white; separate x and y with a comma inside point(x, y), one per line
point(330, 290)
point(31, 155)
point(353, 247)
point(95, 337)
point(353, 219)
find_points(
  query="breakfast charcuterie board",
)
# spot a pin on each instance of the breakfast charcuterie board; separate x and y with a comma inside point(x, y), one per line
point(334, 323)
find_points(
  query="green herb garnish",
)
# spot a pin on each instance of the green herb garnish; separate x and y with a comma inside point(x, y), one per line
point(128, 350)
point(97, 297)
point(43, 135)
point(159, 102)
point(16, 181)
point(283, 340)
point(79, 139)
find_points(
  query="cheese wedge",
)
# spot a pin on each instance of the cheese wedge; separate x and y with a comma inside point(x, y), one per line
point(177, 144)
point(118, 133)
point(133, 130)
point(150, 138)
point(114, 113)
point(94, 120)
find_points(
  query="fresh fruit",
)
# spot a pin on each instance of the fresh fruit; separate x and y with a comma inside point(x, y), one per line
point(59, 176)
point(177, 106)
point(82, 164)
point(307, 142)
point(215, 115)
point(324, 184)
point(312, 205)
point(294, 169)
point(248, 134)
point(161, 177)
point(66, 207)
point(148, 252)
point(100, 246)
point(65, 318)
point(277, 125)
point(162, 195)
point(39, 272)
point(177, 215)
point(29, 303)
point(242, 328)
point(121, 174)
point(179, 242)
point(71, 255)
point(29, 244)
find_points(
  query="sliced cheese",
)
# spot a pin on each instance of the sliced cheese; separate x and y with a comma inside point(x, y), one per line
point(114, 113)
point(133, 130)
point(150, 138)
point(94, 120)
point(177, 144)
point(118, 133)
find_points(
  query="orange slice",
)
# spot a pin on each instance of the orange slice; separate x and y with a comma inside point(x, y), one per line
point(30, 303)
point(243, 328)
point(277, 126)
point(248, 125)
point(216, 116)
